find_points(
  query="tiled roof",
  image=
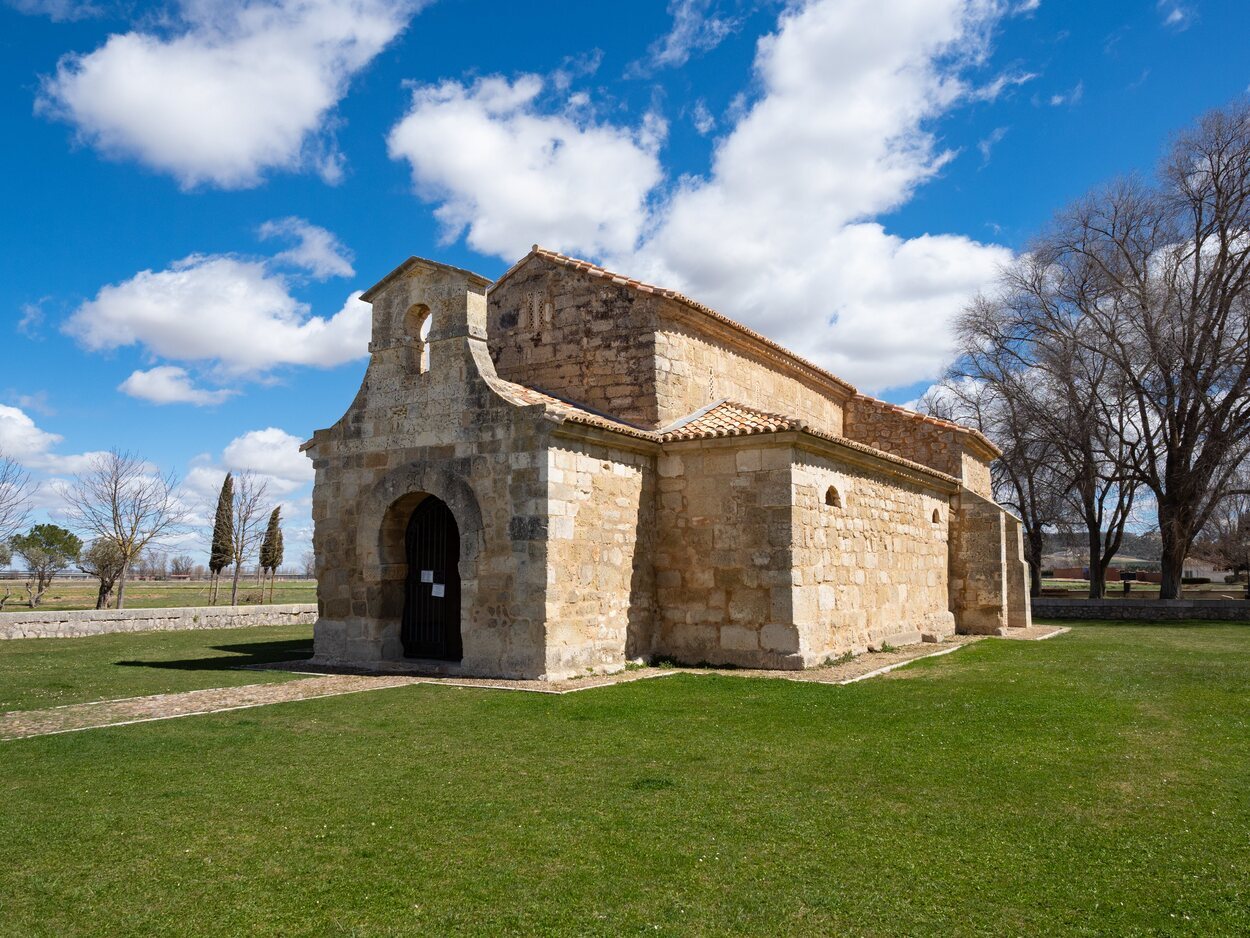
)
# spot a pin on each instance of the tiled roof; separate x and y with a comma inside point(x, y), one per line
point(595, 270)
point(722, 419)
point(727, 418)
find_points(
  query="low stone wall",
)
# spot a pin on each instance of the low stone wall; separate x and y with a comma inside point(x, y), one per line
point(1151, 610)
point(82, 622)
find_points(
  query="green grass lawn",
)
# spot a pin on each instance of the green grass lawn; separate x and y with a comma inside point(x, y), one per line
point(1097, 783)
point(157, 594)
point(36, 673)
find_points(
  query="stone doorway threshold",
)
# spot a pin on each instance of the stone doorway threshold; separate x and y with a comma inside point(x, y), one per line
point(326, 682)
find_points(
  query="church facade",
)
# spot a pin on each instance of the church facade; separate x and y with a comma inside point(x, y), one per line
point(567, 470)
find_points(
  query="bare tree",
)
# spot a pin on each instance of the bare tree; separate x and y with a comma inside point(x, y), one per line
point(120, 499)
point(1136, 303)
point(103, 561)
point(182, 565)
point(153, 564)
point(1062, 409)
point(16, 490)
point(1083, 411)
point(249, 511)
point(6, 558)
point(991, 389)
point(1225, 541)
point(308, 564)
point(1168, 299)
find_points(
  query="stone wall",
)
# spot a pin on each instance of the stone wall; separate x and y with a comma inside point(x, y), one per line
point(450, 433)
point(1149, 610)
point(978, 584)
point(600, 578)
point(940, 446)
point(642, 357)
point(755, 568)
point(585, 339)
point(695, 367)
point(989, 582)
point(83, 622)
point(1019, 606)
point(722, 560)
point(871, 568)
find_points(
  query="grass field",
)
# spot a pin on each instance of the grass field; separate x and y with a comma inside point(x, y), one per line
point(1092, 784)
point(37, 673)
point(144, 594)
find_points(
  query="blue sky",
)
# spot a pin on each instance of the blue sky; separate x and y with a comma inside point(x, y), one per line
point(195, 192)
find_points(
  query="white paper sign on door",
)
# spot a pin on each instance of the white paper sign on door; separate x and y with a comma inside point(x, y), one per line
point(427, 576)
point(437, 592)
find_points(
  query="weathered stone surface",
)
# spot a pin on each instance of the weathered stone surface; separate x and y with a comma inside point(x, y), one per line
point(592, 532)
point(78, 623)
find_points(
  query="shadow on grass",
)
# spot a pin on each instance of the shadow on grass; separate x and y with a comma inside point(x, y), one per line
point(251, 653)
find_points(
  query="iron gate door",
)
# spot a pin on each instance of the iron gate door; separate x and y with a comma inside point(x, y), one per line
point(431, 623)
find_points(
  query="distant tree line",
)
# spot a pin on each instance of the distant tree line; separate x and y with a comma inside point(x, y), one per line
point(1110, 361)
point(126, 510)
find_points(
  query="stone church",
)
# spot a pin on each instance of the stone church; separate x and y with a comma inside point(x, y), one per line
point(567, 469)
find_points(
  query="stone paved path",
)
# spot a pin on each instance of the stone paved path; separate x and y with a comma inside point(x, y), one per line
point(1036, 633)
point(21, 724)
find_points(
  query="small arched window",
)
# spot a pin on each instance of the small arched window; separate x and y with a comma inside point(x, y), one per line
point(937, 516)
point(417, 331)
point(833, 498)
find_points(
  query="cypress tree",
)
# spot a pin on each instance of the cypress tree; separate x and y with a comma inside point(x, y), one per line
point(271, 546)
point(223, 533)
point(277, 559)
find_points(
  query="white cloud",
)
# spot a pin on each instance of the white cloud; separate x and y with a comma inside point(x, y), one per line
point(272, 453)
point(1071, 97)
point(234, 313)
point(59, 11)
point(696, 28)
point(31, 321)
point(782, 232)
point(169, 384)
point(316, 250)
point(272, 456)
point(23, 440)
point(234, 88)
point(20, 438)
point(508, 175)
point(986, 144)
point(1175, 15)
point(702, 119)
point(1004, 82)
point(38, 402)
